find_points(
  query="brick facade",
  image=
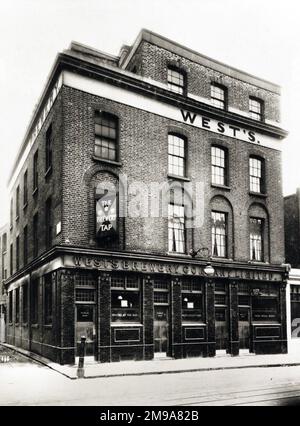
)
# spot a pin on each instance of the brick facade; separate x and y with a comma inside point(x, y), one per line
point(141, 102)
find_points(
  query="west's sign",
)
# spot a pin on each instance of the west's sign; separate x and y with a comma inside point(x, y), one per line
point(219, 127)
point(106, 215)
point(108, 264)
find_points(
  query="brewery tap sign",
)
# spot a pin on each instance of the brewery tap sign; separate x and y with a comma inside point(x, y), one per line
point(106, 215)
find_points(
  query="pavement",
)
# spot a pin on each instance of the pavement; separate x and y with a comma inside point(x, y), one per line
point(164, 365)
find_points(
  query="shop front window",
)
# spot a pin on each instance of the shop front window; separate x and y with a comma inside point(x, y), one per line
point(295, 310)
point(125, 299)
point(265, 303)
point(192, 302)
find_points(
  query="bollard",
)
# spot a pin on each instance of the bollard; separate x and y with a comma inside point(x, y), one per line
point(80, 369)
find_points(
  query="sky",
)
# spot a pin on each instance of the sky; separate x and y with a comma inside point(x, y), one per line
point(261, 37)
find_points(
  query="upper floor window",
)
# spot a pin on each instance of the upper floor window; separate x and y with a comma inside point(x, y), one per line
point(219, 234)
point(106, 134)
point(256, 108)
point(25, 188)
point(49, 148)
point(176, 155)
point(35, 234)
point(256, 172)
point(17, 202)
point(11, 213)
point(11, 261)
point(48, 222)
point(218, 95)
point(17, 252)
point(218, 165)
point(176, 223)
point(256, 239)
point(35, 171)
point(25, 245)
point(176, 81)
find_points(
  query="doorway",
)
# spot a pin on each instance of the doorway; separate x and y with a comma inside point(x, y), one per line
point(161, 329)
point(85, 326)
point(244, 327)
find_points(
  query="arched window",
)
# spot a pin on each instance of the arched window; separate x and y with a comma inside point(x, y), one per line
point(176, 221)
point(258, 233)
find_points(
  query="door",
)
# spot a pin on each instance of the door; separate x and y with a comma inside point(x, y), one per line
point(85, 326)
point(161, 324)
point(244, 327)
point(221, 328)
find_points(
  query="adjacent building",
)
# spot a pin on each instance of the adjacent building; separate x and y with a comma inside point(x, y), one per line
point(147, 209)
point(3, 277)
point(292, 250)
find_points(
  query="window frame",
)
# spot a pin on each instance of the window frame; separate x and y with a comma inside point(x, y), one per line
point(172, 85)
point(35, 225)
point(171, 228)
point(126, 289)
point(225, 167)
point(48, 301)
point(48, 148)
point(35, 179)
point(258, 116)
point(17, 252)
point(34, 301)
point(184, 157)
point(48, 222)
point(214, 235)
point(113, 118)
point(25, 245)
point(262, 239)
point(17, 202)
point(215, 100)
point(25, 303)
point(25, 188)
point(262, 178)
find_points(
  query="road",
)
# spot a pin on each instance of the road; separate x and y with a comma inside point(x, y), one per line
point(32, 384)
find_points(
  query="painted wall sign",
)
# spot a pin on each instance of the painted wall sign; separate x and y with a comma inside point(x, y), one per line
point(220, 127)
point(106, 215)
point(154, 106)
point(110, 264)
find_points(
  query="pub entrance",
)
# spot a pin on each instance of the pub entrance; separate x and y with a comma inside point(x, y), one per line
point(85, 326)
point(161, 329)
point(244, 315)
point(221, 316)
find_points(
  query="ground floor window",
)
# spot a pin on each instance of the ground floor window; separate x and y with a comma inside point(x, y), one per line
point(125, 299)
point(265, 303)
point(17, 305)
point(48, 299)
point(192, 301)
point(34, 300)
point(295, 310)
point(10, 306)
point(25, 303)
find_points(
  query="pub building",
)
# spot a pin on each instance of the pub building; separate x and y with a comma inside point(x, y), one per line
point(191, 269)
